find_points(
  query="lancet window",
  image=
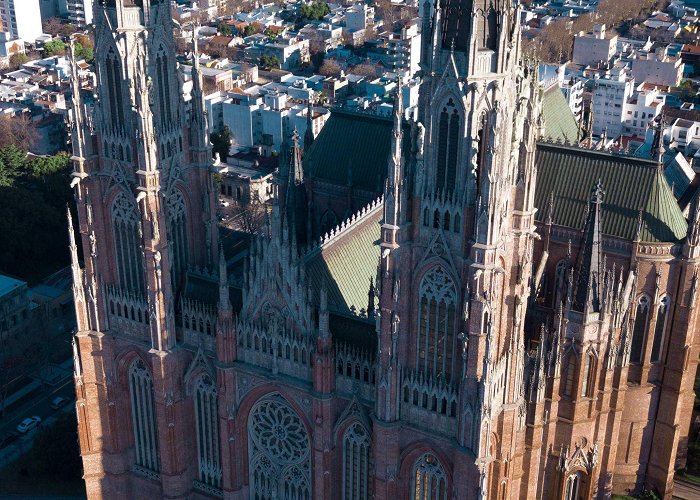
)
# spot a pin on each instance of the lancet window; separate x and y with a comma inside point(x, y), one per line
point(429, 481)
point(114, 90)
point(436, 323)
point(177, 233)
point(356, 463)
point(163, 87)
point(143, 415)
point(127, 244)
point(641, 322)
point(448, 148)
point(208, 450)
point(661, 320)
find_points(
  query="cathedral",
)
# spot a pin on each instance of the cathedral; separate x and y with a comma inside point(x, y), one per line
point(435, 308)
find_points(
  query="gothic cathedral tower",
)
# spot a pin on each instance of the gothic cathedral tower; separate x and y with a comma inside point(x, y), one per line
point(145, 205)
point(457, 242)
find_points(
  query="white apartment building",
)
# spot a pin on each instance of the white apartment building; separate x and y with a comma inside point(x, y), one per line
point(77, 11)
point(609, 97)
point(21, 19)
point(260, 119)
point(359, 17)
point(594, 47)
point(643, 106)
point(657, 67)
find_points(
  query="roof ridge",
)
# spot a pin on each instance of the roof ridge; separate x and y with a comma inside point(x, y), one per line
point(645, 162)
point(359, 216)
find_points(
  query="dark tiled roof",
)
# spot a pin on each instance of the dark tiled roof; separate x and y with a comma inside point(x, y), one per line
point(354, 141)
point(631, 185)
point(559, 122)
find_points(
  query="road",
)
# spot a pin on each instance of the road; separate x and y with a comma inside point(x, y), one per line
point(39, 405)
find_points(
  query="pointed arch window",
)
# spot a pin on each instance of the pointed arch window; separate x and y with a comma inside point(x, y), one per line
point(559, 283)
point(163, 87)
point(437, 323)
point(356, 463)
point(127, 244)
point(641, 323)
point(448, 148)
point(481, 153)
point(177, 232)
point(589, 375)
point(575, 487)
point(114, 88)
point(143, 415)
point(428, 480)
point(208, 447)
point(570, 379)
point(661, 320)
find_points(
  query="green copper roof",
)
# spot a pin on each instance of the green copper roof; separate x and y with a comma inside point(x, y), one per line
point(353, 148)
point(631, 185)
point(559, 122)
point(347, 262)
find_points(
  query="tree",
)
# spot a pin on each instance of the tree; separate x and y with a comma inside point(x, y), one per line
point(269, 62)
point(53, 26)
point(315, 10)
point(250, 217)
point(224, 29)
point(55, 47)
point(252, 29)
point(17, 60)
point(364, 69)
point(221, 143)
point(17, 131)
point(330, 67)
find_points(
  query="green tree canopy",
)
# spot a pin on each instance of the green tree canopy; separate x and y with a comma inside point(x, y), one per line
point(269, 62)
point(55, 47)
point(221, 143)
point(315, 11)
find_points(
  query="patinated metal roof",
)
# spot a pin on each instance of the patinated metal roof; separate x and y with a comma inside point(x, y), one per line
point(632, 186)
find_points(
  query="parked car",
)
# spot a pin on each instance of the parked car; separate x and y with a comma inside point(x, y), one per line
point(28, 424)
point(58, 402)
point(8, 439)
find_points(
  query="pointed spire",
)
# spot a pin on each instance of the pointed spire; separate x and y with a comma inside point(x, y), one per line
point(323, 328)
point(75, 264)
point(588, 286)
point(370, 298)
point(657, 147)
point(309, 134)
point(224, 302)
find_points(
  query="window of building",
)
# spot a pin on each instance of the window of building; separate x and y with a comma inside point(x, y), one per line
point(208, 447)
point(588, 375)
point(429, 481)
point(143, 415)
point(356, 463)
point(127, 243)
point(448, 148)
point(639, 332)
point(437, 323)
point(177, 233)
point(279, 451)
point(575, 487)
point(570, 379)
point(661, 320)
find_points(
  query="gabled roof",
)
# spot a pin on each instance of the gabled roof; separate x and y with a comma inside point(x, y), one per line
point(559, 122)
point(356, 141)
point(631, 185)
point(347, 261)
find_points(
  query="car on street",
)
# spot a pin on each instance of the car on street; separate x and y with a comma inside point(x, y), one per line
point(8, 439)
point(58, 402)
point(28, 424)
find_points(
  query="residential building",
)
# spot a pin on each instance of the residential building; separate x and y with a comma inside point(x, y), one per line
point(506, 318)
point(21, 19)
point(657, 67)
point(641, 109)
point(594, 47)
point(77, 11)
point(14, 306)
point(608, 101)
point(359, 17)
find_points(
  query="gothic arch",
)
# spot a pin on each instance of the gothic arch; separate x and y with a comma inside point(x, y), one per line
point(448, 136)
point(437, 320)
point(408, 459)
point(279, 450)
point(663, 310)
point(126, 232)
point(199, 366)
point(640, 328)
point(176, 203)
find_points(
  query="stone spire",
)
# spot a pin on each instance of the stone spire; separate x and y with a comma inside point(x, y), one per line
point(198, 120)
point(309, 134)
point(588, 285)
point(392, 188)
point(224, 301)
point(657, 146)
point(81, 313)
